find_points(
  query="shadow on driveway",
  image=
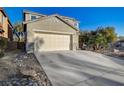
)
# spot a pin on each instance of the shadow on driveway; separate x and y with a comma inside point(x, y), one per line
point(81, 68)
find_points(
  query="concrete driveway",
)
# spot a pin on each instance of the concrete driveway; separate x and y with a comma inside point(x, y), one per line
point(73, 68)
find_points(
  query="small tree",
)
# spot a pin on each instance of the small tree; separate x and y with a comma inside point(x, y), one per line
point(98, 39)
point(18, 31)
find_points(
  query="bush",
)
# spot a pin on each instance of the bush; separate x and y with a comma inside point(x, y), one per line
point(3, 45)
point(1, 54)
point(98, 39)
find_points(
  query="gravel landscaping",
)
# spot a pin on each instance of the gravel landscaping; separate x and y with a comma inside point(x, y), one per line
point(118, 54)
point(22, 70)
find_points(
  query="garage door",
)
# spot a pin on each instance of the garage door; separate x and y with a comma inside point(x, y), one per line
point(51, 42)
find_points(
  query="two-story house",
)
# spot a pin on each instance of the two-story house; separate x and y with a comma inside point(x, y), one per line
point(50, 32)
point(5, 26)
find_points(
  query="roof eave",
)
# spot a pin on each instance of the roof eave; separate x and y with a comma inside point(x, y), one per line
point(2, 10)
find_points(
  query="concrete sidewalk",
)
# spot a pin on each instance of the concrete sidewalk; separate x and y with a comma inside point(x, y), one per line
point(70, 68)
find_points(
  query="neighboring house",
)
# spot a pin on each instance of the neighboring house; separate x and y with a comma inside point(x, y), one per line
point(6, 27)
point(50, 32)
point(119, 45)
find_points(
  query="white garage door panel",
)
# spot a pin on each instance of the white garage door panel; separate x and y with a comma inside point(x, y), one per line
point(53, 42)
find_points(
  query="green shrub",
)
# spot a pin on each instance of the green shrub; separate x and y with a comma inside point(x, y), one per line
point(1, 54)
point(98, 39)
point(3, 45)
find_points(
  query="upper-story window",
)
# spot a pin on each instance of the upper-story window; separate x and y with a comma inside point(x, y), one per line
point(33, 17)
point(76, 25)
point(2, 19)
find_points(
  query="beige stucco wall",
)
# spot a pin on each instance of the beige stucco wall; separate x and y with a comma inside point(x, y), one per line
point(75, 41)
point(5, 25)
point(28, 16)
point(5, 28)
point(50, 24)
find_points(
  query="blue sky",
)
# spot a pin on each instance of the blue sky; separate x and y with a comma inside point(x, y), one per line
point(89, 18)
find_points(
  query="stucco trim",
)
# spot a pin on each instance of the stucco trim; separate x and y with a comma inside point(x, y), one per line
point(52, 32)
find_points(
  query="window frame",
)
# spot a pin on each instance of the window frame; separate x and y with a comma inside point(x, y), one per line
point(2, 19)
point(35, 17)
